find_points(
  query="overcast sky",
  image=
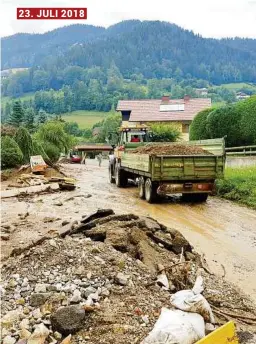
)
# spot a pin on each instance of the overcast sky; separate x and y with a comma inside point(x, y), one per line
point(210, 18)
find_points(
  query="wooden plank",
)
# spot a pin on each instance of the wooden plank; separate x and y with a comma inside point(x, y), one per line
point(226, 334)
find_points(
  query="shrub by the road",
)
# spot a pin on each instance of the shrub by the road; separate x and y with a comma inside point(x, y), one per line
point(237, 122)
point(198, 130)
point(11, 154)
point(239, 185)
point(164, 133)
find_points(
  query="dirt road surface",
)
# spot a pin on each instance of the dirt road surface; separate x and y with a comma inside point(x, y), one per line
point(224, 232)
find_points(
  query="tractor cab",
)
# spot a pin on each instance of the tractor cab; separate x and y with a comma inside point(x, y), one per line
point(132, 136)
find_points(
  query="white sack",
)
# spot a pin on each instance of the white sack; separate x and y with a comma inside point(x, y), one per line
point(176, 327)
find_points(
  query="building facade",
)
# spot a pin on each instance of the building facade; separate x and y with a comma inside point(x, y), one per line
point(179, 112)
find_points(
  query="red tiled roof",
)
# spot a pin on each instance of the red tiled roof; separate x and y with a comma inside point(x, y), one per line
point(149, 109)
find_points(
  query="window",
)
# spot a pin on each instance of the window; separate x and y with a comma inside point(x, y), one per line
point(185, 128)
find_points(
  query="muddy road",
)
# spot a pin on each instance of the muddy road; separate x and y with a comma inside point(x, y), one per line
point(224, 232)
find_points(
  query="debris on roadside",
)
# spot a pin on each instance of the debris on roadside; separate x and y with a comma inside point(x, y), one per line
point(99, 281)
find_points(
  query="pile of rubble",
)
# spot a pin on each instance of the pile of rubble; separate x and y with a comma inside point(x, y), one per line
point(105, 280)
point(170, 149)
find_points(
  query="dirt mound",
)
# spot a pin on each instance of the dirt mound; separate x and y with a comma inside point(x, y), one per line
point(170, 149)
point(108, 265)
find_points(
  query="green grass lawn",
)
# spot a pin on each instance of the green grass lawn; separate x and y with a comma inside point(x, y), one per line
point(238, 86)
point(239, 185)
point(85, 119)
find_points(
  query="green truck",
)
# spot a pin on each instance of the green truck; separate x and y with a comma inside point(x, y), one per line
point(193, 176)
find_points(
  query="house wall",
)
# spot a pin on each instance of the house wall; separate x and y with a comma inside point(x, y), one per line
point(184, 136)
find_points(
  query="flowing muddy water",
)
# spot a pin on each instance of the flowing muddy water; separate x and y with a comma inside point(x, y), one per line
point(224, 232)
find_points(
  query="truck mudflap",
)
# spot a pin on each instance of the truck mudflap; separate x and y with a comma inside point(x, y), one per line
point(225, 334)
point(188, 187)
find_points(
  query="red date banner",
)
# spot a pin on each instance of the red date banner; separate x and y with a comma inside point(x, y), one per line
point(51, 13)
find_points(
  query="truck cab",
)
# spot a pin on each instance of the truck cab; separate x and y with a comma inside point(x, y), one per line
point(130, 136)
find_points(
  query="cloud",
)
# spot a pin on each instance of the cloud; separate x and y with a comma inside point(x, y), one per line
point(210, 18)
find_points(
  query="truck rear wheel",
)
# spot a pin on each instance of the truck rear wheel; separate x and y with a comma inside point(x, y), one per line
point(110, 174)
point(150, 191)
point(141, 188)
point(196, 198)
point(121, 177)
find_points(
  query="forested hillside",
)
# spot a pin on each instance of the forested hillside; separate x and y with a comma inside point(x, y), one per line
point(150, 49)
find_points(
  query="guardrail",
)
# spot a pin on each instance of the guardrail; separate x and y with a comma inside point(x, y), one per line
point(241, 151)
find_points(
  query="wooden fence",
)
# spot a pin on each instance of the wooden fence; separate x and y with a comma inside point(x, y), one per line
point(241, 151)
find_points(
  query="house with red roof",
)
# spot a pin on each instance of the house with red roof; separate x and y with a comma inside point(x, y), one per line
point(179, 112)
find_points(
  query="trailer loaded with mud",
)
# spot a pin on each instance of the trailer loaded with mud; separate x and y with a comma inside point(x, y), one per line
point(187, 168)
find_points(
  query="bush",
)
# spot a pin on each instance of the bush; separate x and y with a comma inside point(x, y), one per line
point(24, 140)
point(225, 121)
point(52, 151)
point(8, 130)
point(11, 154)
point(248, 120)
point(197, 129)
point(164, 133)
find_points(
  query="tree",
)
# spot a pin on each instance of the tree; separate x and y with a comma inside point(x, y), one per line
point(53, 132)
point(17, 114)
point(225, 121)
point(164, 132)
point(29, 119)
point(198, 129)
point(24, 140)
point(11, 154)
point(42, 116)
point(109, 128)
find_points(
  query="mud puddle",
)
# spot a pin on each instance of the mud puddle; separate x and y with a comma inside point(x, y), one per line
point(222, 231)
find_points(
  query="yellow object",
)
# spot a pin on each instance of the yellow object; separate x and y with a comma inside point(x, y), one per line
point(129, 126)
point(226, 334)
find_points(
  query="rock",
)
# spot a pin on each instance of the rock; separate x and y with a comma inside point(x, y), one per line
point(50, 219)
point(9, 340)
point(21, 301)
point(5, 226)
point(57, 335)
point(10, 318)
point(76, 296)
point(88, 291)
point(145, 319)
point(37, 313)
point(180, 242)
point(65, 222)
point(24, 324)
point(89, 275)
point(38, 299)
point(58, 203)
point(162, 281)
point(39, 335)
point(190, 256)
point(53, 243)
point(68, 319)
point(100, 213)
point(5, 236)
point(121, 279)
point(40, 288)
point(2, 291)
point(151, 224)
point(74, 224)
point(24, 334)
point(105, 291)
point(209, 328)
